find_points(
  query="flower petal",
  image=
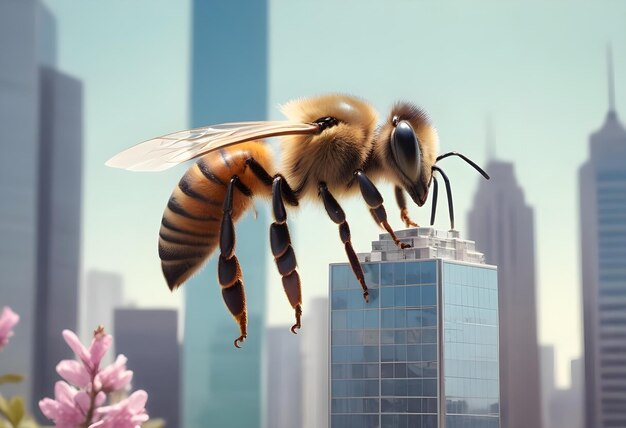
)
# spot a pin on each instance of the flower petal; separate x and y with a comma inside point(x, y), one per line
point(74, 343)
point(73, 372)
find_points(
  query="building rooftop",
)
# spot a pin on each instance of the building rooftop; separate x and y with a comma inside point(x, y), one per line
point(426, 243)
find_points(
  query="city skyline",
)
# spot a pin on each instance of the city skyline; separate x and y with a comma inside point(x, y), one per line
point(155, 102)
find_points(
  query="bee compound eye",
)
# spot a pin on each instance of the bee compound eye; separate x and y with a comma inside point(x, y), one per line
point(405, 149)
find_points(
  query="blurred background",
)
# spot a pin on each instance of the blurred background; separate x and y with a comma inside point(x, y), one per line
point(523, 88)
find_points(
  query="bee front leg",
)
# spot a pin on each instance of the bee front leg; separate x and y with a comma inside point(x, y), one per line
point(374, 200)
point(336, 214)
point(404, 213)
point(282, 250)
point(229, 272)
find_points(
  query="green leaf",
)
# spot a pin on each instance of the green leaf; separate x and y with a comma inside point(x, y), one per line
point(4, 407)
point(16, 410)
point(11, 378)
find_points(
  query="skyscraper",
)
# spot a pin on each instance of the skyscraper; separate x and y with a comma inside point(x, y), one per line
point(283, 385)
point(40, 181)
point(424, 351)
point(603, 244)
point(148, 337)
point(314, 354)
point(59, 223)
point(19, 115)
point(502, 225)
point(222, 384)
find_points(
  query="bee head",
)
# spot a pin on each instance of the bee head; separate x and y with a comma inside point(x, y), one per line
point(410, 148)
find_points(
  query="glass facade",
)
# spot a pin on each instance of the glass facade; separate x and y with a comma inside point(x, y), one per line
point(470, 346)
point(385, 355)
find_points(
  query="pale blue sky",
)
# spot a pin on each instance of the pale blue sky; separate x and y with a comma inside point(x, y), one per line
point(538, 68)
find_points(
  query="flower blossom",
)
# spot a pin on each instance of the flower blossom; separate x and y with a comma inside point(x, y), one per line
point(128, 413)
point(8, 319)
point(77, 401)
point(69, 407)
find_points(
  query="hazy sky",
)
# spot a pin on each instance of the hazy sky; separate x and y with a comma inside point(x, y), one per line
point(537, 68)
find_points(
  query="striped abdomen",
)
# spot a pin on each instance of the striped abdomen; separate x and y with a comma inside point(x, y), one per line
point(190, 226)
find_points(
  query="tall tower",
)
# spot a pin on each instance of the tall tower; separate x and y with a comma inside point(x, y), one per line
point(502, 225)
point(423, 352)
point(58, 225)
point(222, 384)
point(19, 113)
point(603, 249)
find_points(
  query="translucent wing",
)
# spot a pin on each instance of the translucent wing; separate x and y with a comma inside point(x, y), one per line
point(169, 150)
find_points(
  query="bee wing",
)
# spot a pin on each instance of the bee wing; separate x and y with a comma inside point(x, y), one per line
point(169, 150)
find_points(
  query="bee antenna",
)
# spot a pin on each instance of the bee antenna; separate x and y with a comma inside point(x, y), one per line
point(434, 207)
point(466, 159)
point(448, 193)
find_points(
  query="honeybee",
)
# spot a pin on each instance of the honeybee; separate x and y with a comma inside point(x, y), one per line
point(331, 147)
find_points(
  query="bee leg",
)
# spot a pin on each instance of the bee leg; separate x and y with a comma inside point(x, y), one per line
point(228, 270)
point(374, 200)
point(336, 214)
point(404, 213)
point(282, 250)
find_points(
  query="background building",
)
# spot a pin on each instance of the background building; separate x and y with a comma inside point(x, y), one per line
point(148, 337)
point(41, 186)
point(502, 225)
point(104, 291)
point(603, 244)
point(58, 224)
point(283, 385)
point(561, 407)
point(222, 384)
point(314, 345)
point(424, 350)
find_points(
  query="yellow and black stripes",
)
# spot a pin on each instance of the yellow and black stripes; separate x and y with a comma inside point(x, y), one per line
point(191, 221)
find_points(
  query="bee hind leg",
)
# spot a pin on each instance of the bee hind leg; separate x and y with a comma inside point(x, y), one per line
point(280, 241)
point(336, 214)
point(229, 272)
point(404, 212)
point(374, 200)
point(282, 250)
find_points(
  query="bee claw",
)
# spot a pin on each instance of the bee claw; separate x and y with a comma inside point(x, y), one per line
point(239, 340)
point(366, 296)
point(294, 327)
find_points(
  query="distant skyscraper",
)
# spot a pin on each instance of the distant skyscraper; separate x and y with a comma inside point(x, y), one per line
point(19, 113)
point(424, 351)
point(103, 293)
point(148, 337)
point(562, 408)
point(502, 225)
point(547, 382)
point(314, 337)
point(222, 384)
point(59, 223)
point(603, 245)
point(283, 385)
point(40, 181)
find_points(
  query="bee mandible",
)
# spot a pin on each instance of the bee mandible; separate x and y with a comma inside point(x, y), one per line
point(331, 147)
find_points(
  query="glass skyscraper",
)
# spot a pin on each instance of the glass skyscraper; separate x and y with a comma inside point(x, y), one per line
point(222, 385)
point(424, 351)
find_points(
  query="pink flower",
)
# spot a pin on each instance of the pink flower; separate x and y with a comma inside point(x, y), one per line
point(74, 372)
point(8, 319)
point(90, 357)
point(69, 407)
point(114, 376)
point(128, 413)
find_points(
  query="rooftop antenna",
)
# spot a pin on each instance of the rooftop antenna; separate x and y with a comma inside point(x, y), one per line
point(611, 78)
point(490, 138)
